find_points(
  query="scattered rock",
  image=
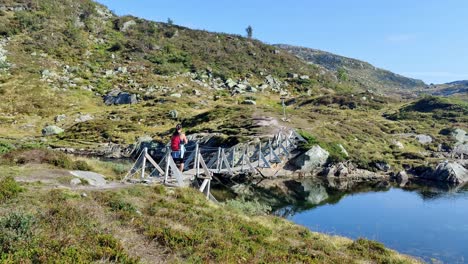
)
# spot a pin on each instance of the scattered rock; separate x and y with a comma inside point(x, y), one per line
point(293, 75)
point(75, 181)
point(402, 178)
point(451, 172)
point(51, 130)
point(176, 95)
point(397, 144)
point(249, 102)
point(117, 98)
point(84, 118)
point(423, 139)
point(196, 92)
point(304, 77)
point(94, 179)
point(84, 195)
point(173, 114)
point(312, 159)
point(339, 170)
point(125, 26)
point(460, 135)
point(382, 166)
point(60, 118)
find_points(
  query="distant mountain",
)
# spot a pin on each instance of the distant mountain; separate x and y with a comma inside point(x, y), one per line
point(457, 88)
point(362, 73)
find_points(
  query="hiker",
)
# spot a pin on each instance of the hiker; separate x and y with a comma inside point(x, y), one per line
point(177, 147)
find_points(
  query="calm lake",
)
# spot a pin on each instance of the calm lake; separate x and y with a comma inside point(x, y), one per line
point(422, 221)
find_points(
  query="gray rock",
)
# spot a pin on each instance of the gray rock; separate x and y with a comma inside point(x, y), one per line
point(339, 170)
point(424, 139)
point(451, 172)
point(94, 179)
point(75, 181)
point(312, 159)
point(252, 89)
point(460, 135)
point(118, 98)
point(241, 86)
point(196, 92)
point(173, 114)
point(293, 75)
point(461, 150)
point(397, 144)
point(60, 118)
point(249, 102)
point(125, 26)
point(176, 95)
point(84, 118)
point(51, 130)
point(304, 77)
point(402, 177)
point(230, 83)
point(382, 166)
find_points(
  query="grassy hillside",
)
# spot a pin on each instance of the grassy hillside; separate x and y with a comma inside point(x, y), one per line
point(62, 57)
point(142, 224)
point(360, 73)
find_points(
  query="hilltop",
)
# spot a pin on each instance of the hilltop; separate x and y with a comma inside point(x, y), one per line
point(360, 73)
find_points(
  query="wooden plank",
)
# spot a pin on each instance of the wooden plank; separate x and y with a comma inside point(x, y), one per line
point(205, 168)
point(176, 171)
point(225, 161)
point(155, 165)
point(204, 184)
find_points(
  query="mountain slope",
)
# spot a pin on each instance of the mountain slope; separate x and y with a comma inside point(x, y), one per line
point(361, 73)
point(457, 88)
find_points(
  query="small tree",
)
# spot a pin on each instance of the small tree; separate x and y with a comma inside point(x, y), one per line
point(170, 21)
point(249, 31)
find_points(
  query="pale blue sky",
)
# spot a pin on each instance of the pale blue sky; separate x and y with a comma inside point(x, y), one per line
point(424, 39)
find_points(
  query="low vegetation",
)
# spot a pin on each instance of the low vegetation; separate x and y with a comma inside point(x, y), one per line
point(176, 225)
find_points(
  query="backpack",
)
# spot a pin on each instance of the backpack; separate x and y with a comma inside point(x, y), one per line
point(175, 143)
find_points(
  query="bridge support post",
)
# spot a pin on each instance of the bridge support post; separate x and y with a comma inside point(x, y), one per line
point(166, 172)
point(143, 166)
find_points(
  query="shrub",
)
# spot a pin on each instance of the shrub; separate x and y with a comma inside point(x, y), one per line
point(82, 165)
point(15, 230)
point(5, 147)
point(9, 188)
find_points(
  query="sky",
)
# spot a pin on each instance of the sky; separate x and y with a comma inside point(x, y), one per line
point(423, 39)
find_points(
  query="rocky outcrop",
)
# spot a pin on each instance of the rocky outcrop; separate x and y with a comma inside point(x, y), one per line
point(312, 159)
point(116, 97)
point(450, 172)
point(92, 178)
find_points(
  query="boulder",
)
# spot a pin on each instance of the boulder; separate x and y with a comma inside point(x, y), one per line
point(397, 144)
point(60, 118)
point(424, 139)
point(75, 181)
point(451, 172)
point(339, 170)
point(125, 26)
point(249, 102)
point(94, 179)
point(84, 118)
point(176, 95)
point(51, 130)
point(312, 159)
point(382, 166)
point(173, 114)
point(230, 83)
point(402, 178)
point(118, 98)
point(460, 135)
point(461, 150)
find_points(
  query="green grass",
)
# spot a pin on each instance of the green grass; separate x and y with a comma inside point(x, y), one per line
point(43, 225)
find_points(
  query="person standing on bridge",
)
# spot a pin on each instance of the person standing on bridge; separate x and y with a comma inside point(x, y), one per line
point(178, 140)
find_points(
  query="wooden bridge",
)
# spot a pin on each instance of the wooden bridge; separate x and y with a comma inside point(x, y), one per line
point(202, 162)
